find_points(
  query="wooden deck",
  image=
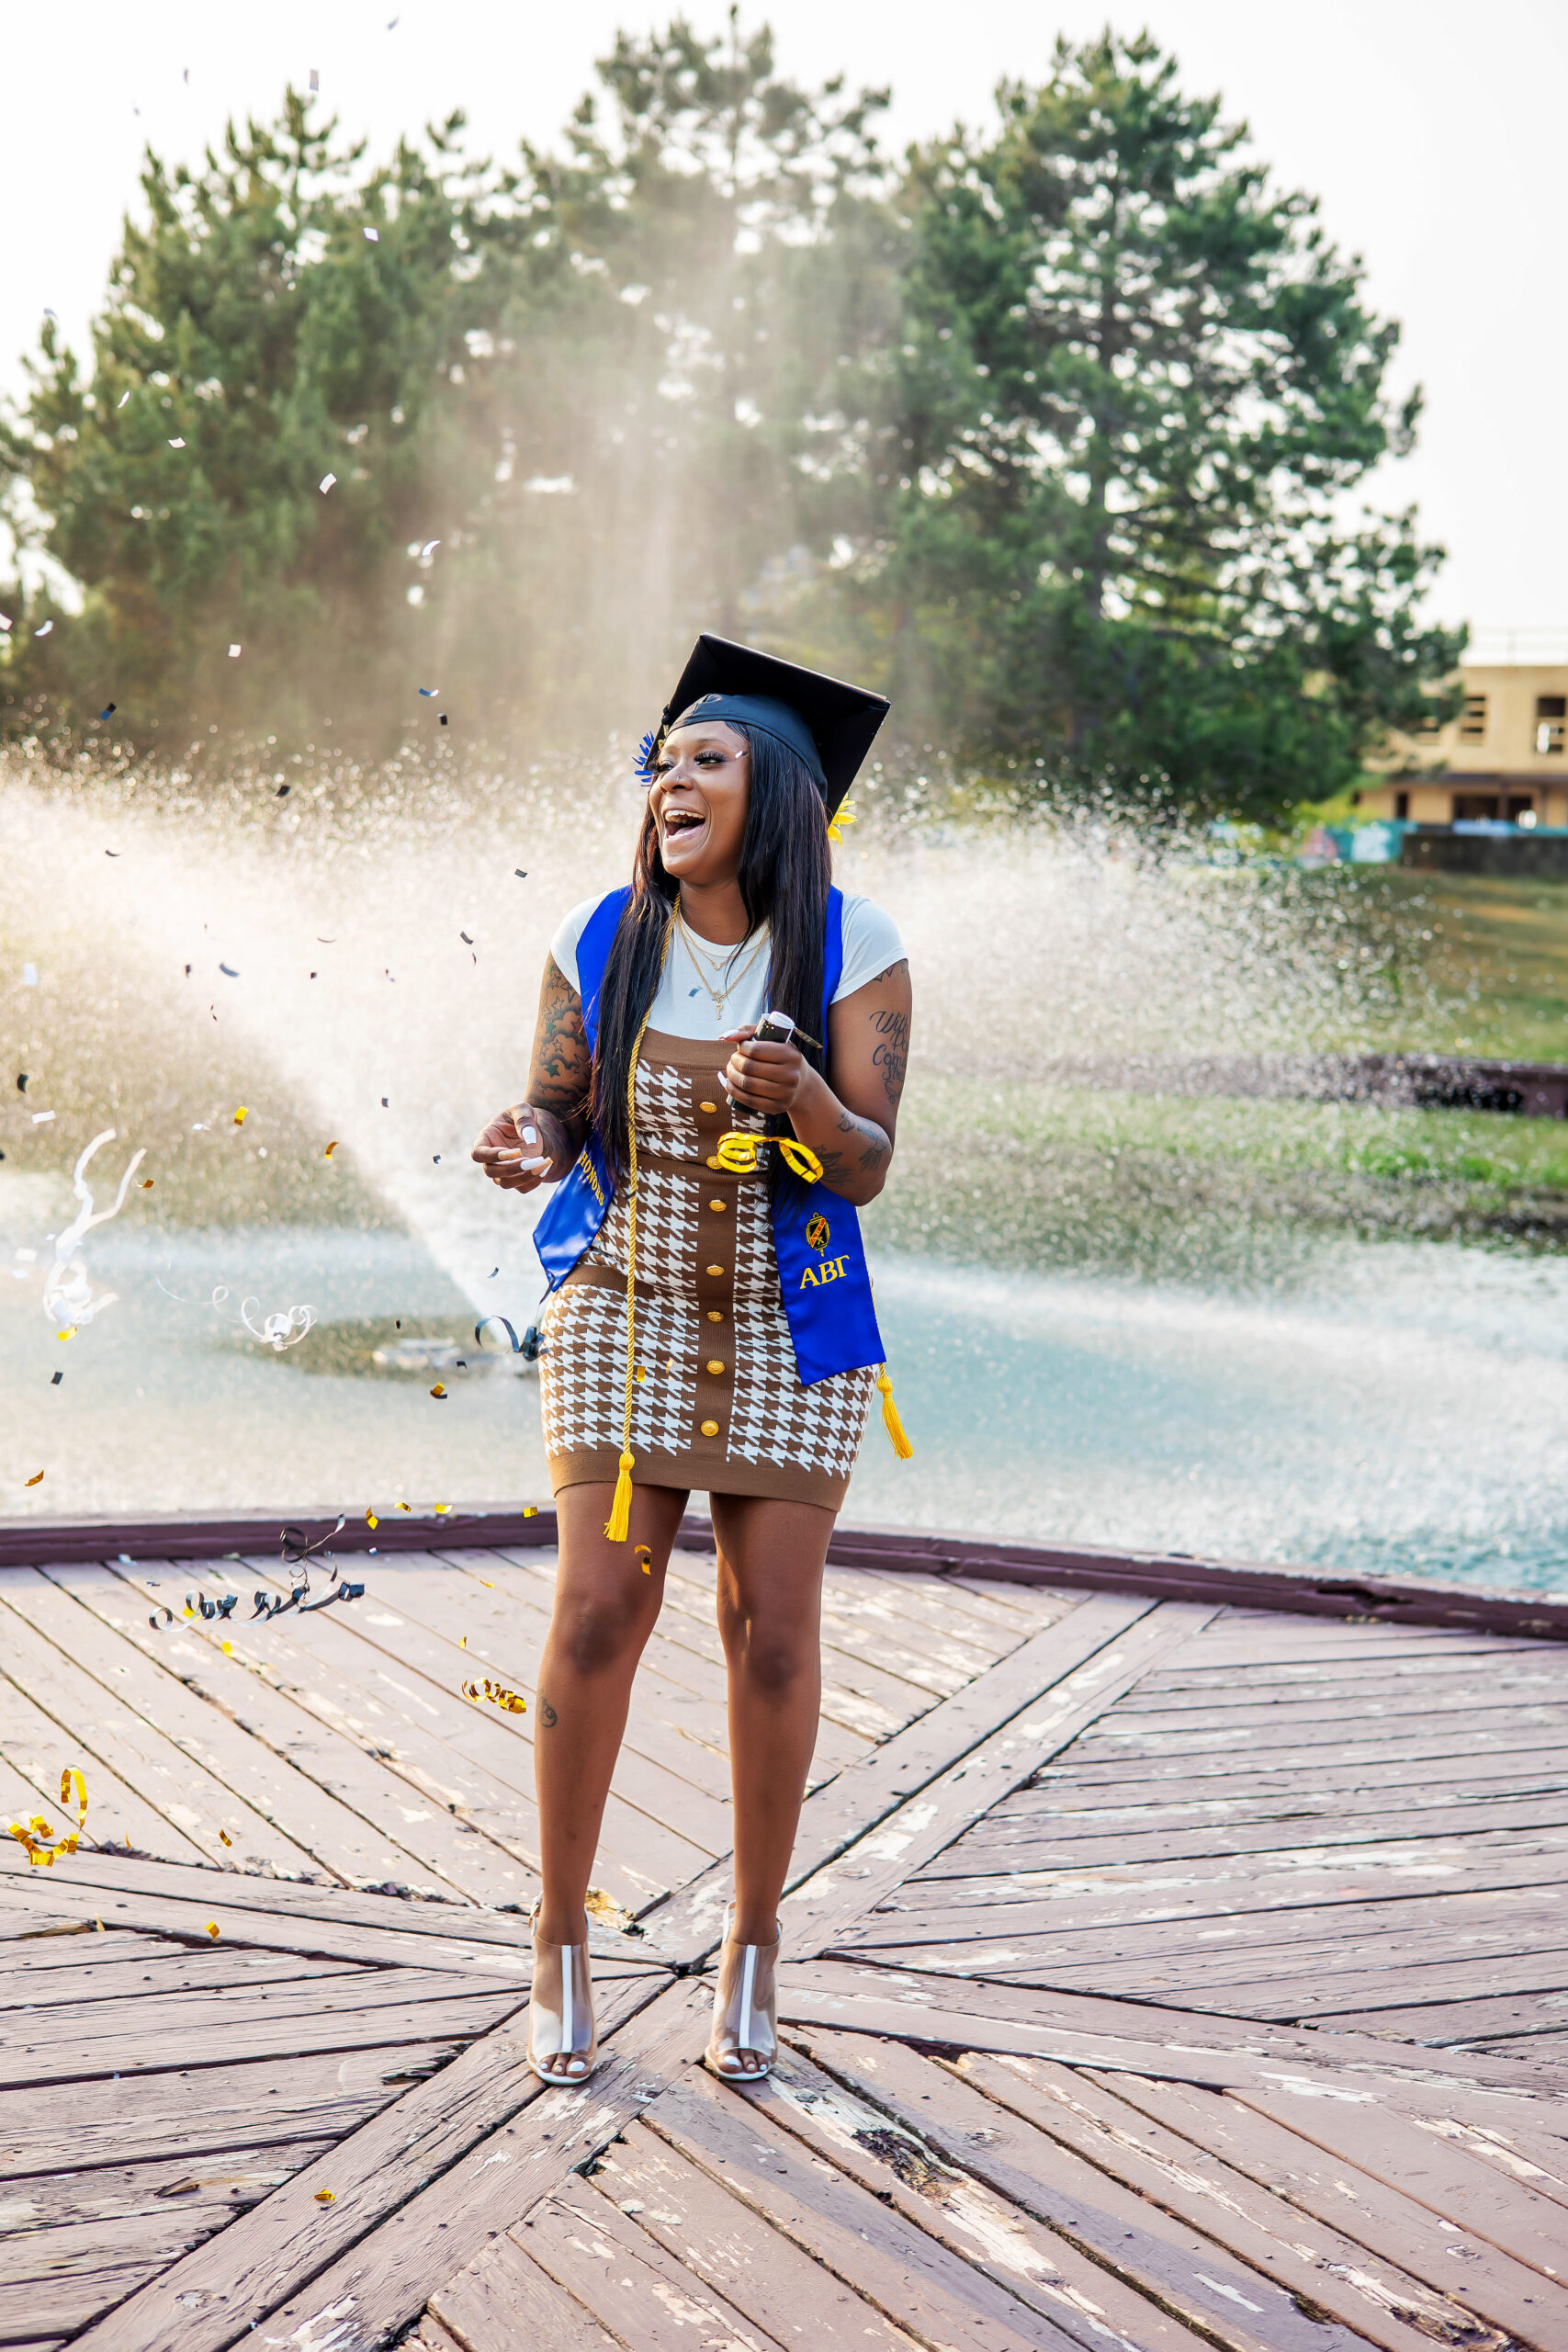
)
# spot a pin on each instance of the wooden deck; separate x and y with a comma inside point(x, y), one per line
point(1162, 1972)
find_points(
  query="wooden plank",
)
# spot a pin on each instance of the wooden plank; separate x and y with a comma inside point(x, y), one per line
point(501, 2300)
point(1480, 1727)
point(995, 1618)
point(416, 2191)
point(163, 1899)
point(37, 1749)
point(1517, 1665)
point(1391, 2223)
point(649, 2300)
point(1384, 2303)
point(146, 1897)
point(1124, 1836)
point(643, 2191)
point(877, 2247)
point(1278, 1887)
point(1452, 2019)
point(1355, 1765)
point(687, 1927)
point(380, 2013)
point(366, 1834)
point(151, 1971)
point(895, 2122)
point(822, 1909)
point(1326, 1713)
point(76, 2240)
point(248, 2103)
point(1262, 1976)
point(1514, 2217)
point(96, 1722)
point(1162, 2040)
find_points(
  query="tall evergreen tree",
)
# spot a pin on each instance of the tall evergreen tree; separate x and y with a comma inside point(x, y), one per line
point(1111, 454)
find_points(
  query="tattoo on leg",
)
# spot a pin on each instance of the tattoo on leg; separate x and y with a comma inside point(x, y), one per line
point(548, 1714)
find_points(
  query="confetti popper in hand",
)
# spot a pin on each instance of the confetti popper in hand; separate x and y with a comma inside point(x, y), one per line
point(38, 1841)
point(498, 1694)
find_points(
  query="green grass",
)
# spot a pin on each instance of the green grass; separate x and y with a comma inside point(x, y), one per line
point(1468, 963)
point(1049, 1178)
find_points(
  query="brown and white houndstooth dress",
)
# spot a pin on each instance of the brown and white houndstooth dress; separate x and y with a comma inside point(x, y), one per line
point(720, 1405)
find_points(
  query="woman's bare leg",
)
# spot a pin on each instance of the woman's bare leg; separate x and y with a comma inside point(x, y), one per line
point(771, 1557)
point(605, 1611)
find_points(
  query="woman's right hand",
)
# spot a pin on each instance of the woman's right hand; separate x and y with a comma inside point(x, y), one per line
point(515, 1150)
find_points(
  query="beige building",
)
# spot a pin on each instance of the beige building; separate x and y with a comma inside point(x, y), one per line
point(1505, 755)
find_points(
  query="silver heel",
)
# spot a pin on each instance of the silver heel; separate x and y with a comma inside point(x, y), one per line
point(563, 2033)
point(744, 2041)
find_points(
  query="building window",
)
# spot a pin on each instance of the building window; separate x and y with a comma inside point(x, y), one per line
point(1550, 717)
point(1520, 809)
point(1473, 808)
point(1402, 805)
point(1472, 720)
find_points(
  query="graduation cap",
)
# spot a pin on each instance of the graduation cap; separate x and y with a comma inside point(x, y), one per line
point(829, 724)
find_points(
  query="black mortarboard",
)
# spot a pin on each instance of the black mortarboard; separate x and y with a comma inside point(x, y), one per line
point(829, 724)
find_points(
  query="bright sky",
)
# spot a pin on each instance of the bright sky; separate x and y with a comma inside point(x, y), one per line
point(1431, 131)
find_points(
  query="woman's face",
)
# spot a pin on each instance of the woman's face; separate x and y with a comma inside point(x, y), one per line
point(698, 798)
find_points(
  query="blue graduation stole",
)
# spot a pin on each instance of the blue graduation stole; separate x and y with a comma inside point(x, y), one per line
point(817, 1239)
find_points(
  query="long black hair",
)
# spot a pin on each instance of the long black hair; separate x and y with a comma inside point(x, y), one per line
point(784, 877)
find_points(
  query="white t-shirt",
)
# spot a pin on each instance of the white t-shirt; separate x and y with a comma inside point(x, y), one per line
point(683, 1007)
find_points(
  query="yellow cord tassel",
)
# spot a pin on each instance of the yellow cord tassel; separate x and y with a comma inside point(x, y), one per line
point(740, 1152)
point(890, 1420)
point(618, 1526)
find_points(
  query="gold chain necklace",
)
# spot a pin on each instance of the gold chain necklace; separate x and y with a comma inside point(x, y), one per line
point(720, 995)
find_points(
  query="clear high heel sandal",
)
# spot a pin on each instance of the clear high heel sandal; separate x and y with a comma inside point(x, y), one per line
point(744, 2041)
point(563, 2034)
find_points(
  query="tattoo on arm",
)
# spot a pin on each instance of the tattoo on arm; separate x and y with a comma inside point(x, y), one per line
point(548, 1714)
point(865, 1132)
point(891, 1054)
point(562, 1066)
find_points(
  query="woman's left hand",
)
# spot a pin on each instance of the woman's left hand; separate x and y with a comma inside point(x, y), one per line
point(765, 1077)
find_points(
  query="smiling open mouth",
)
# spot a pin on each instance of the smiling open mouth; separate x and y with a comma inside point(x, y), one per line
point(682, 820)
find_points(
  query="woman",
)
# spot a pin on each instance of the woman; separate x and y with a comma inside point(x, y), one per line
point(711, 1323)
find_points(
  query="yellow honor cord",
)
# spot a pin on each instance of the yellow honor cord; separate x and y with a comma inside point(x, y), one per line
point(618, 1526)
point(740, 1152)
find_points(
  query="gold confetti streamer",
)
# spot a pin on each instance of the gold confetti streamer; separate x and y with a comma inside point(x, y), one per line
point(329, 1149)
point(439, 1389)
point(148, 1182)
point(212, 1929)
point(32, 1482)
point(326, 2196)
point(223, 1833)
point(371, 1519)
point(38, 1841)
point(530, 1510)
point(499, 1695)
point(241, 1115)
point(644, 1558)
